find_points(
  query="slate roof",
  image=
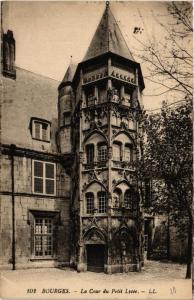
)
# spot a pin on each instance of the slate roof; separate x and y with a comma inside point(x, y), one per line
point(108, 38)
point(70, 73)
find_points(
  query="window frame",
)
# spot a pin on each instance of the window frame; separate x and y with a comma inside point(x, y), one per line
point(55, 215)
point(44, 178)
point(42, 123)
point(128, 204)
point(86, 203)
point(92, 150)
point(100, 156)
point(42, 235)
point(105, 202)
point(129, 147)
point(132, 204)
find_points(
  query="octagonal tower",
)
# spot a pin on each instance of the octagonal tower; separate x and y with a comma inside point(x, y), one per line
point(105, 106)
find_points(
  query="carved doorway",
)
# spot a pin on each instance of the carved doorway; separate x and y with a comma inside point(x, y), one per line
point(95, 257)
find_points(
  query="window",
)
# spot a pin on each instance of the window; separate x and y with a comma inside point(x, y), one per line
point(66, 118)
point(128, 152)
point(43, 236)
point(89, 203)
point(44, 180)
point(102, 202)
point(130, 201)
point(117, 151)
point(90, 154)
point(102, 152)
point(90, 96)
point(41, 130)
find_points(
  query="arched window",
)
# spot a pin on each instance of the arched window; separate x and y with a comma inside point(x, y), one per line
point(130, 200)
point(102, 152)
point(117, 198)
point(117, 151)
point(89, 203)
point(102, 202)
point(90, 153)
point(128, 152)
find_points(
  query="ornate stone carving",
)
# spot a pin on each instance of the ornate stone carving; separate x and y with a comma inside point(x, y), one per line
point(92, 176)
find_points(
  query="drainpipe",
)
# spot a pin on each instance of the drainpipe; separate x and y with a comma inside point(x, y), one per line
point(12, 150)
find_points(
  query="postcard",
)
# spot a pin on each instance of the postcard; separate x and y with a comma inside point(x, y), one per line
point(96, 150)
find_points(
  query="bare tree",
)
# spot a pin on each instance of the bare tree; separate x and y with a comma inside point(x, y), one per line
point(169, 59)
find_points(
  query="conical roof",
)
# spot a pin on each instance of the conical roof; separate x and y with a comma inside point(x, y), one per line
point(70, 73)
point(68, 78)
point(108, 38)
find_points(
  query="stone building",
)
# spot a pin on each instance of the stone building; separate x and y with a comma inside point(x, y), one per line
point(35, 186)
point(69, 191)
point(99, 111)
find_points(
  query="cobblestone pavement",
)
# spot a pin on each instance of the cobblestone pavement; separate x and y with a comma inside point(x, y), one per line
point(155, 275)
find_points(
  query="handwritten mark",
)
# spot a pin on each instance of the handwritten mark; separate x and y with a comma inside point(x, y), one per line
point(173, 290)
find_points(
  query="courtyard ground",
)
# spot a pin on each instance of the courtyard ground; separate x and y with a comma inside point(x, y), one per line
point(158, 280)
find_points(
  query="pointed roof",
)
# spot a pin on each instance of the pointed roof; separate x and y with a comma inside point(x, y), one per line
point(68, 78)
point(70, 73)
point(108, 38)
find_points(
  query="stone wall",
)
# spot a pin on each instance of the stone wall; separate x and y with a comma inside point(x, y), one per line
point(23, 231)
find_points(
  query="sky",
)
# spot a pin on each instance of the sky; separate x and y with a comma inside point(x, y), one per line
point(47, 34)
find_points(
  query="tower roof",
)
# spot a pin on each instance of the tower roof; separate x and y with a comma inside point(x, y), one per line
point(68, 75)
point(108, 38)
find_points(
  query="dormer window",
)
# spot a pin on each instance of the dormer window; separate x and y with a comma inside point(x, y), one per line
point(40, 130)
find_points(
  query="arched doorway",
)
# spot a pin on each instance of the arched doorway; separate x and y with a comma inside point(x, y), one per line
point(95, 257)
point(95, 250)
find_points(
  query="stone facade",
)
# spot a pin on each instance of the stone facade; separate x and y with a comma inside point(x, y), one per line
point(25, 98)
point(101, 104)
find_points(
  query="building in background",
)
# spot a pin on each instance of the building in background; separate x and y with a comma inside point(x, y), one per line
point(35, 187)
point(69, 191)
